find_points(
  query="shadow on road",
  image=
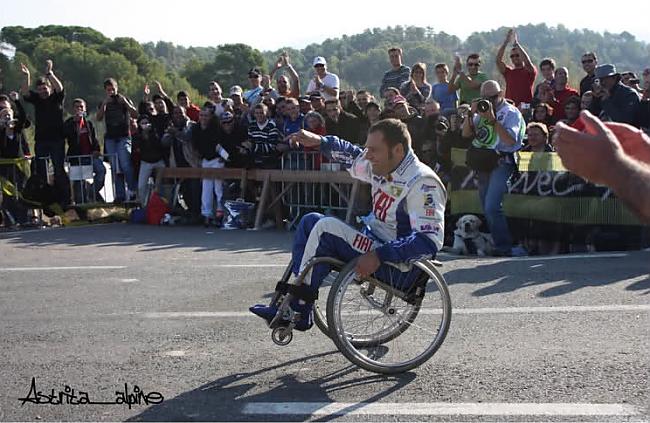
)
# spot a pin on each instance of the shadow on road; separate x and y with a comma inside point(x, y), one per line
point(225, 398)
point(156, 238)
point(556, 277)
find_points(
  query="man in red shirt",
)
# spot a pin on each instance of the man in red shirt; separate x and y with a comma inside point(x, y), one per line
point(191, 110)
point(561, 93)
point(520, 78)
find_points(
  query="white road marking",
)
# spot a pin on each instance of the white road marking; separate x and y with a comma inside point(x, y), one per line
point(438, 409)
point(243, 265)
point(29, 269)
point(129, 280)
point(591, 256)
point(174, 353)
point(496, 310)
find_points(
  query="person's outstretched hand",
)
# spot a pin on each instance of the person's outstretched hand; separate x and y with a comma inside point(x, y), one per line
point(634, 141)
point(306, 138)
point(589, 154)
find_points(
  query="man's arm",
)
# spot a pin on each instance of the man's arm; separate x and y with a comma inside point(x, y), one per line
point(499, 59)
point(295, 80)
point(133, 112)
point(26, 82)
point(49, 74)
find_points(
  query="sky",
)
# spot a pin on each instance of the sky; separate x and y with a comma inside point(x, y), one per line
point(268, 26)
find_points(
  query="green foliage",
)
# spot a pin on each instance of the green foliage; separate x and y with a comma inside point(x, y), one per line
point(83, 57)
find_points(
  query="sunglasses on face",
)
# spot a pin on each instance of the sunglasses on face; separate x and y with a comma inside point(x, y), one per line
point(475, 65)
point(587, 61)
point(512, 56)
point(319, 66)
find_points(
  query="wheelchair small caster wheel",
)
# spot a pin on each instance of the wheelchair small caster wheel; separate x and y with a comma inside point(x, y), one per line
point(282, 336)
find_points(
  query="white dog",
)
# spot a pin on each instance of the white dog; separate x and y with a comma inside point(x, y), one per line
point(468, 240)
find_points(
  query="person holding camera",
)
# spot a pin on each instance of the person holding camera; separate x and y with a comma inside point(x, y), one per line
point(116, 111)
point(12, 139)
point(614, 101)
point(497, 129)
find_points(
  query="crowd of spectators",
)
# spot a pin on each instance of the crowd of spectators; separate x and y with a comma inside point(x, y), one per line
point(249, 127)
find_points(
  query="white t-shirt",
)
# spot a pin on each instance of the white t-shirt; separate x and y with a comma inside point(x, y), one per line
point(329, 80)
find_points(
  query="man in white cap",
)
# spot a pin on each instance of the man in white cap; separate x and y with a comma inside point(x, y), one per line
point(326, 83)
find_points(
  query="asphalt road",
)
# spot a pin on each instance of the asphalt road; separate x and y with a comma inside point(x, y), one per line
point(164, 308)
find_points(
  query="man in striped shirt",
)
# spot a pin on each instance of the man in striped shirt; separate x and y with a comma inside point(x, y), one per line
point(398, 74)
point(263, 138)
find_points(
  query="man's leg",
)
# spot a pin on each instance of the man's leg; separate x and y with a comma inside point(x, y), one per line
point(100, 175)
point(110, 149)
point(493, 207)
point(124, 155)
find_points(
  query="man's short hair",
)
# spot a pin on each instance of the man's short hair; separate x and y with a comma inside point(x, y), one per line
point(442, 66)
point(363, 92)
point(474, 56)
point(547, 62)
point(157, 97)
point(43, 81)
point(78, 100)
point(373, 104)
point(110, 81)
point(261, 106)
point(182, 94)
point(539, 125)
point(394, 131)
point(590, 53)
point(397, 49)
point(332, 101)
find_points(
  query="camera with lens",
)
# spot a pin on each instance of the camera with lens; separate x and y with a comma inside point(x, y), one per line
point(483, 106)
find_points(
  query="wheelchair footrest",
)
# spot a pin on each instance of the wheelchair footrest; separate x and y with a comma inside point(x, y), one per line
point(303, 292)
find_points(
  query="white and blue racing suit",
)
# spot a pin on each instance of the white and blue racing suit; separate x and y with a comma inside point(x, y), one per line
point(406, 224)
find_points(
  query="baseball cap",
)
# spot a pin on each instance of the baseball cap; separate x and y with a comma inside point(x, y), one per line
point(320, 60)
point(304, 99)
point(315, 95)
point(236, 90)
point(254, 72)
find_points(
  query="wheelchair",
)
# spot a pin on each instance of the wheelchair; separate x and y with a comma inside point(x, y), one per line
point(375, 324)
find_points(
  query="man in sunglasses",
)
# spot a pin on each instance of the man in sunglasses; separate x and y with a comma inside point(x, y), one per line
point(324, 82)
point(500, 128)
point(254, 94)
point(589, 63)
point(520, 78)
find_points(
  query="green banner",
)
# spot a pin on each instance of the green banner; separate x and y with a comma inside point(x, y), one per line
point(543, 191)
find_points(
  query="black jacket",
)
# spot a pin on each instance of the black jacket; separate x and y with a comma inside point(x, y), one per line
point(151, 149)
point(205, 140)
point(71, 135)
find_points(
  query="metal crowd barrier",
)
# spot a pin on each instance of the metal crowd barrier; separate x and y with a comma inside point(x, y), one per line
point(304, 197)
point(82, 173)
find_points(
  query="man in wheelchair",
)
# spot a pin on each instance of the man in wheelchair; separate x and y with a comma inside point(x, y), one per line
point(406, 225)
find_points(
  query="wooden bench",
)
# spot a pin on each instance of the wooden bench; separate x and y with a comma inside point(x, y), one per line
point(269, 197)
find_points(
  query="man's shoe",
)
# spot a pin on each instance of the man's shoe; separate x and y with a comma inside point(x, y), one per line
point(268, 313)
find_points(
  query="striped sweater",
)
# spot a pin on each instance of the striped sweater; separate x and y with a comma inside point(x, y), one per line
point(265, 140)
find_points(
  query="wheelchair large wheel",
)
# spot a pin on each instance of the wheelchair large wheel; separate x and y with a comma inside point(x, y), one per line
point(386, 330)
point(320, 307)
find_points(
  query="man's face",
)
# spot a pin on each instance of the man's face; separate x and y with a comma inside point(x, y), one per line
point(589, 63)
point(333, 111)
point(571, 111)
point(292, 110)
point(548, 72)
point(441, 75)
point(317, 103)
point(362, 100)
point(540, 114)
point(305, 107)
point(395, 58)
point(184, 101)
point(110, 90)
point(205, 117)
point(608, 82)
point(43, 90)
point(320, 70)
point(79, 109)
point(228, 125)
point(283, 84)
point(561, 76)
point(260, 115)
point(254, 80)
point(373, 114)
point(382, 158)
point(178, 116)
point(515, 57)
point(431, 109)
point(473, 66)
point(536, 137)
point(214, 92)
point(160, 106)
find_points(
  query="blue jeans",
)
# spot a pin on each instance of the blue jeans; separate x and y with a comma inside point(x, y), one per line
point(492, 186)
point(120, 148)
